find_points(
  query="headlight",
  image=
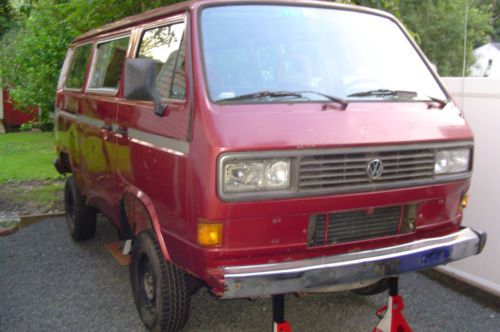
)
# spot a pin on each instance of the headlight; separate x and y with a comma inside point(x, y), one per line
point(452, 161)
point(256, 175)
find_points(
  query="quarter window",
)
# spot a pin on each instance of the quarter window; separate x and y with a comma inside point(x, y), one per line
point(108, 65)
point(166, 46)
point(78, 67)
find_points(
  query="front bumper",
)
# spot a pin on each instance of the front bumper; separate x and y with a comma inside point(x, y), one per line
point(295, 276)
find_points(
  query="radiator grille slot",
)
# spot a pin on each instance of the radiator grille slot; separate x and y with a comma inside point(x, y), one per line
point(339, 171)
point(339, 227)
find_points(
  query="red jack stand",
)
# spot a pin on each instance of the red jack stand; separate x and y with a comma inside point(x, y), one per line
point(392, 319)
point(279, 322)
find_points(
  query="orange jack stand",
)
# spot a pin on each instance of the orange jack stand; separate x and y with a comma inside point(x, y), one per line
point(392, 319)
point(279, 322)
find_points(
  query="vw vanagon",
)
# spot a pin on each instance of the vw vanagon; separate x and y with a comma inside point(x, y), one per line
point(262, 147)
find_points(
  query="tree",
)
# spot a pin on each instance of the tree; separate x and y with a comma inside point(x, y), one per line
point(6, 16)
point(438, 27)
point(31, 56)
point(495, 19)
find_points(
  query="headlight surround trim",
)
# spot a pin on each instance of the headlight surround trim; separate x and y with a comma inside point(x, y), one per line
point(256, 175)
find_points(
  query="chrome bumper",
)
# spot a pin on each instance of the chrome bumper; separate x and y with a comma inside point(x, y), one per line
point(295, 276)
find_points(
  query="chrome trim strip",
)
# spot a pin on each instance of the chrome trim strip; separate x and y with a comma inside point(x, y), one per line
point(91, 121)
point(294, 276)
point(67, 114)
point(167, 144)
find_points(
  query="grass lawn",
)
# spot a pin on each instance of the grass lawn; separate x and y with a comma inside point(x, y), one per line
point(27, 156)
point(29, 183)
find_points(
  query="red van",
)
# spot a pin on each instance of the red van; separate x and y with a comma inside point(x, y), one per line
point(260, 148)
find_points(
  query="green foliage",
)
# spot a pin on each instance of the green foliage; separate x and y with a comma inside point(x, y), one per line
point(495, 20)
point(6, 16)
point(32, 55)
point(438, 27)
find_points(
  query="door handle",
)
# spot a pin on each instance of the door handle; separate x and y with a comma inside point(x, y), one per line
point(122, 131)
point(107, 127)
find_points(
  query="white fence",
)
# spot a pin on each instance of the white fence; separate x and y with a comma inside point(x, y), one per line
point(480, 100)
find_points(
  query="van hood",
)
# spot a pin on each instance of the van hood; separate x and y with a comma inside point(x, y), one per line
point(289, 126)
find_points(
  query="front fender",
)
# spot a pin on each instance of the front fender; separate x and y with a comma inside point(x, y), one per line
point(141, 215)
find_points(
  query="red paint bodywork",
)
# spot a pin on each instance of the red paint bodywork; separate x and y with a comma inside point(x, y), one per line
point(173, 192)
point(13, 117)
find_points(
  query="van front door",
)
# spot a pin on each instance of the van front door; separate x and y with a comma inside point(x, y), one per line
point(152, 149)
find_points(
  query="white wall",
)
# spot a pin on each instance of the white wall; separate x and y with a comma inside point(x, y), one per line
point(481, 104)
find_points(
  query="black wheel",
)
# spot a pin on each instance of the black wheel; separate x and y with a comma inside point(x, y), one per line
point(376, 288)
point(162, 292)
point(80, 218)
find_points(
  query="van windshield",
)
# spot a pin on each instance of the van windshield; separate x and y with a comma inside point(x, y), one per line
point(263, 53)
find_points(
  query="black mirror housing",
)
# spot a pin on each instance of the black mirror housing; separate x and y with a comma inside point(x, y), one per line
point(140, 82)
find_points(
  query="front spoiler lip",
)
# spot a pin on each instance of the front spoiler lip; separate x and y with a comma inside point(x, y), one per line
point(295, 276)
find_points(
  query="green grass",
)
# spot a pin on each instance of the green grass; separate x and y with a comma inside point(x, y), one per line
point(27, 156)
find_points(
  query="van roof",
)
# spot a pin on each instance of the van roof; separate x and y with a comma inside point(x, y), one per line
point(135, 19)
point(186, 5)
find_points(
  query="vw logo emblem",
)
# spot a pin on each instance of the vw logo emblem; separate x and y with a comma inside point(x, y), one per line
point(375, 169)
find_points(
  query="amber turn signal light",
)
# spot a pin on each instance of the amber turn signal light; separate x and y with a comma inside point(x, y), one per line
point(463, 202)
point(209, 234)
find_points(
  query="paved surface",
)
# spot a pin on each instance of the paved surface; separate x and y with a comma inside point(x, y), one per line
point(49, 283)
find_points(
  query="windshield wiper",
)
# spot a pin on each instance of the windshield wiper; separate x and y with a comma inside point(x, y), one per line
point(385, 93)
point(398, 93)
point(263, 94)
point(440, 102)
point(340, 101)
point(277, 94)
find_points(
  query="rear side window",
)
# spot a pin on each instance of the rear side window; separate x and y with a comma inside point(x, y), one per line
point(78, 67)
point(108, 64)
point(165, 44)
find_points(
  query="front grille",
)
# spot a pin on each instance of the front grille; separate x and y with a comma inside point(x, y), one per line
point(322, 171)
point(338, 171)
point(339, 227)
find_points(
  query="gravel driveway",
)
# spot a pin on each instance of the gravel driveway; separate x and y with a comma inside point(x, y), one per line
point(49, 283)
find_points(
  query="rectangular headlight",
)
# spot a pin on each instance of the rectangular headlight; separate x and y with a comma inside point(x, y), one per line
point(256, 175)
point(452, 161)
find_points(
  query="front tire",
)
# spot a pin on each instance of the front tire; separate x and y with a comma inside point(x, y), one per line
point(161, 290)
point(80, 218)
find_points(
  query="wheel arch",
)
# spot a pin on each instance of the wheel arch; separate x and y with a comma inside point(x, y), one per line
point(137, 213)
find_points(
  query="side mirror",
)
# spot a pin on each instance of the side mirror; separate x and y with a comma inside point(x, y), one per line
point(140, 82)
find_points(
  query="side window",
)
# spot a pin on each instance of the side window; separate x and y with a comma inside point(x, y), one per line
point(108, 64)
point(78, 66)
point(166, 45)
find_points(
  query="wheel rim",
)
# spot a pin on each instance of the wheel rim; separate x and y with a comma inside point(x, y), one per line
point(70, 212)
point(147, 283)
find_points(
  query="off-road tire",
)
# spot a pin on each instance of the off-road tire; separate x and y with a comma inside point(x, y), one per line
point(376, 288)
point(80, 218)
point(165, 305)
